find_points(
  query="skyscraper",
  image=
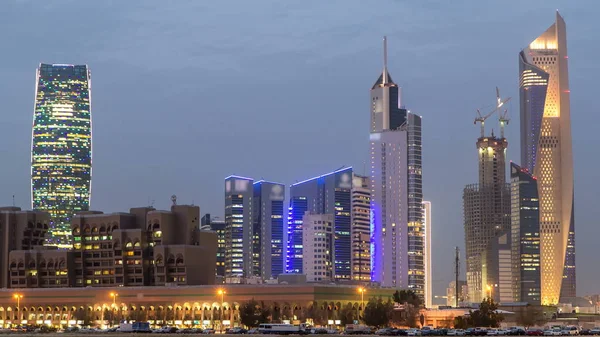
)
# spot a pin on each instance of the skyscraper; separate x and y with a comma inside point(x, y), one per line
point(525, 231)
point(546, 151)
point(396, 189)
point(416, 239)
point(238, 226)
point(318, 241)
point(268, 229)
point(330, 193)
point(427, 258)
point(61, 150)
point(486, 207)
point(361, 233)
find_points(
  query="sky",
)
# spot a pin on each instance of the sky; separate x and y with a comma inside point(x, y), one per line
point(185, 93)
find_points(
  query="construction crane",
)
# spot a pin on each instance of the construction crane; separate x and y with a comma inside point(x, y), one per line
point(503, 121)
point(481, 118)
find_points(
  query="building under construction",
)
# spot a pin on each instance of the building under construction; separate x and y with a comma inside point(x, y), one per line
point(486, 207)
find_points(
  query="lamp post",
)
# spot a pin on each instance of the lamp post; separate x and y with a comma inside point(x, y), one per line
point(18, 297)
point(362, 290)
point(222, 293)
point(114, 297)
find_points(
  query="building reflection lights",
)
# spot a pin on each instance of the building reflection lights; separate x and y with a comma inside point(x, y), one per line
point(61, 155)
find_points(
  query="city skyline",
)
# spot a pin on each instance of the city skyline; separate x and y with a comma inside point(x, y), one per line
point(321, 166)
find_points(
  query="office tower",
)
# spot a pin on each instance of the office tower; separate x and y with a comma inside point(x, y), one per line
point(318, 242)
point(61, 150)
point(451, 293)
point(293, 259)
point(486, 211)
point(396, 189)
point(330, 193)
point(546, 151)
point(361, 229)
point(144, 247)
point(416, 230)
point(238, 226)
point(268, 229)
point(525, 230)
point(218, 226)
point(427, 257)
point(496, 268)
point(19, 230)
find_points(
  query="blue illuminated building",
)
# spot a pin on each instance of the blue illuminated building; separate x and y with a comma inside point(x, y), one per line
point(330, 193)
point(268, 229)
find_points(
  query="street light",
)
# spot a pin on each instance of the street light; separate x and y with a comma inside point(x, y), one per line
point(114, 297)
point(18, 297)
point(222, 293)
point(362, 290)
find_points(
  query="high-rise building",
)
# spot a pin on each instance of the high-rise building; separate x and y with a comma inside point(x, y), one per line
point(486, 211)
point(268, 229)
point(19, 230)
point(361, 229)
point(525, 231)
point(61, 150)
point(318, 241)
point(330, 193)
point(427, 257)
point(546, 151)
point(238, 226)
point(496, 268)
point(293, 257)
point(416, 230)
point(396, 189)
point(218, 226)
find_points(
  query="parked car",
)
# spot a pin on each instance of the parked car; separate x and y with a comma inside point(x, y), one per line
point(535, 332)
point(208, 331)
point(413, 332)
point(595, 331)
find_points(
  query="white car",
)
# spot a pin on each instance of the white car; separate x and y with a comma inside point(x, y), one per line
point(503, 332)
point(461, 332)
point(451, 332)
point(492, 332)
point(552, 332)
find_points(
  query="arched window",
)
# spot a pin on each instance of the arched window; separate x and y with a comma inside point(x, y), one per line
point(43, 264)
point(128, 244)
point(13, 265)
point(94, 229)
point(102, 229)
point(179, 260)
point(171, 259)
point(136, 244)
point(31, 265)
point(21, 265)
point(76, 231)
point(159, 260)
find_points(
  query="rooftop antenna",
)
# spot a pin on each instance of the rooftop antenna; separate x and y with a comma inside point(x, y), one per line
point(174, 199)
point(385, 72)
point(14, 201)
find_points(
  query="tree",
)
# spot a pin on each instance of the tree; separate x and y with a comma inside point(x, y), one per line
point(347, 314)
point(461, 322)
point(486, 315)
point(252, 314)
point(377, 312)
point(314, 312)
point(410, 304)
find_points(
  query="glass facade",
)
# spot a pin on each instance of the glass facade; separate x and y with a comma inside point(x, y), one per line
point(267, 236)
point(61, 155)
point(416, 230)
point(330, 193)
point(525, 224)
point(298, 206)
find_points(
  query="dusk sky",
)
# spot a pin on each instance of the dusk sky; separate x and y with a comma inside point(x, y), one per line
point(185, 93)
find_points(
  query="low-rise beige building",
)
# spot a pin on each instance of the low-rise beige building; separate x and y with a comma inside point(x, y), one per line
point(144, 247)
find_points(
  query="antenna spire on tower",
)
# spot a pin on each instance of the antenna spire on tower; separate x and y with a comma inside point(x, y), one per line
point(385, 79)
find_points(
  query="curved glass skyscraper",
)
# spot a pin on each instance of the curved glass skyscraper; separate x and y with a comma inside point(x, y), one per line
point(61, 150)
point(546, 150)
